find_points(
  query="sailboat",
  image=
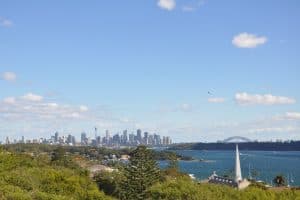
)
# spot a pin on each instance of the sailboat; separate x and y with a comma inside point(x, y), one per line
point(249, 173)
point(292, 179)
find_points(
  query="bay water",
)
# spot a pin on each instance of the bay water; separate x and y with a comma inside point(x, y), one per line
point(260, 165)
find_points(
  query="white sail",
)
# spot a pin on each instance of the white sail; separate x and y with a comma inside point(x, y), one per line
point(238, 171)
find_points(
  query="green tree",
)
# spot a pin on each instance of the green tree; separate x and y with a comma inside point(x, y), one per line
point(173, 161)
point(140, 174)
point(109, 182)
point(279, 181)
point(59, 154)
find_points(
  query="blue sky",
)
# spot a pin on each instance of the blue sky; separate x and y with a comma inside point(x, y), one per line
point(71, 66)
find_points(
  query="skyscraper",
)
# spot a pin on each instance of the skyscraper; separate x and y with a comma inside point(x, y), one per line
point(157, 140)
point(139, 136)
point(131, 139)
point(146, 135)
point(107, 137)
point(56, 137)
point(96, 133)
point(84, 139)
point(23, 140)
point(124, 137)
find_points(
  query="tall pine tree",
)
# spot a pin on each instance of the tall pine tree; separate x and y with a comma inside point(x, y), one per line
point(140, 174)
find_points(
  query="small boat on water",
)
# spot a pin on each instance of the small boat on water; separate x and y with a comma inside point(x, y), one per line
point(192, 176)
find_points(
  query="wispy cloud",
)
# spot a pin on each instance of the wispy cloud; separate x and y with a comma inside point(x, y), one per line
point(247, 40)
point(184, 107)
point(293, 115)
point(32, 97)
point(5, 22)
point(9, 76)
point(9, 100)
point(288, 116)
point(167, 4)
point(192, 6)
point(32, 114)
point(258, 99)
point(83, 108)
point(274, 127)
point(217, 100)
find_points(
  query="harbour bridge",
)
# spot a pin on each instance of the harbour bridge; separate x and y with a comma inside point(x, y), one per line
point(236, 139)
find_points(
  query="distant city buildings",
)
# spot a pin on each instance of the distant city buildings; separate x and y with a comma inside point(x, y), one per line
point(108, 140)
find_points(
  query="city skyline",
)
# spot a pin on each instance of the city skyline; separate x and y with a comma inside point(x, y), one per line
point(114, 140)
point(197, 71)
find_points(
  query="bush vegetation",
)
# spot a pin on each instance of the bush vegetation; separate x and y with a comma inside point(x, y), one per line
point(25, 177)
point(54, 176)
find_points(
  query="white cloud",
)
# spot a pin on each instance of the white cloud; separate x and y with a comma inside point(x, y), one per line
point(17, 112)
point(192, 6)
point(74, 115)
point(83, 108)
point(188, 8)
point(247, 40)
point(293, 115)
point(32, 97)
point(268, 128)
point(34, 110)
point(52, 105)
point(288, 116)
point(257, 99)
point(216, 100)
point(9, 76)
point(185, 107)
point(167, 4)
point(5, 22)
point(9, 100)
point(274, 129)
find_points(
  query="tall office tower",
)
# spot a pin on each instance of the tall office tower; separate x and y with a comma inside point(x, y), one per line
point(7, 140)
point(56, 137)
point(145, 140)
point(84, 139)
point(164, 140)
point(151, 140)
point(124, 137)
point(131, 139)
point(116, 139)
point(98, 140)
point(23, 140)
point(157, 140)
point(69, 139)
point(96, 133)
point(168, 140)
point(107, 137)
point(73, 140)
point(139, 136)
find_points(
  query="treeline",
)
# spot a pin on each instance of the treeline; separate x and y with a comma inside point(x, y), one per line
point(246, 146)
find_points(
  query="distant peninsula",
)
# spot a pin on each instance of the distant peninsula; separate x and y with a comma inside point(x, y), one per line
point(245, 146)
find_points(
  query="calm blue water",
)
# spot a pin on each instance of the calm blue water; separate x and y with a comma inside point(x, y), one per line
point(265, 165)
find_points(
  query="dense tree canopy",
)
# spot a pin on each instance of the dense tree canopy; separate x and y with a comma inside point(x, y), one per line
point(25, 177)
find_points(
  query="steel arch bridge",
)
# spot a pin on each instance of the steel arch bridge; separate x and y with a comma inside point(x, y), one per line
point(237, 139)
